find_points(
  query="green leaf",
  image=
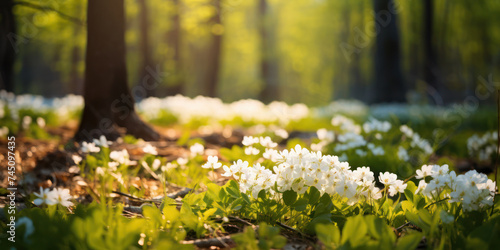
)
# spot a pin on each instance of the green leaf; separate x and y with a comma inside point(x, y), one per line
point(328, 234)
point(313, 195)
point(411, 187)
point(409, 241)
point(300, 204)
point(409, 195)
point(171, 213)
point(322, 219)
point(354, 230)
point(246, 198)
point(289, 197)
point(407, 206)
point(421, 203)
point(324, 206)
point(421, 219)
point(485, 236)
point(213, 190)
point(245, 240)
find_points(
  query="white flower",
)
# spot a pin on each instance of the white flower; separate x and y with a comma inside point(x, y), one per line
point(228, 172)
point(212, 163)
point(387, 178)
point(439, 170)
point(325, 135)
point(26, 122)
point(121, 156)
point(363, 173)
point(90, 147)
point(426, 171)
point(102, 142)
point(60, 196)
point(182, 161)
point(271, 154)
point(251, 151)
point(168, 167)
point(346, 188)
point(149, 149)
point(281, 133)
point(267, 142)
point(406, 131)
point(40, 122)
point(376, 125)
point(99, 171)
point(250, 140)
point(403, 154)
point(421, 186)
point(77, 159)
point(156, 164)
point(375, 193)
point(398, 187)
point(378, 151)
point(113, 165)
point(197, 149)
point(42, 197)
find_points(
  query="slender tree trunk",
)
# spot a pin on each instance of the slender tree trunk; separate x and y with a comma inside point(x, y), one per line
point(389, 84)
point(76, 82)
point(176, 80)
point(430, 65)
point(75, 79)
point(144, 45)
point(214, 54)
point(109, 105)
point(268, 65)
point(7, 43)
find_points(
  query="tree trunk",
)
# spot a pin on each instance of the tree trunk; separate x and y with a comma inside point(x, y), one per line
point(109, 105)
point(176, 80)
point(268, 66)
point(389, 84)
point(144, 45)
point(7, 43)
point(430, 65)
point(214, 54)
point(76, 80)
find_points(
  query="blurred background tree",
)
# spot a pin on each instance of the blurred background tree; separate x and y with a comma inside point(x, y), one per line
point(310, 51)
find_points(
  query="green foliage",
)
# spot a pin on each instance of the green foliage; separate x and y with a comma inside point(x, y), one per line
point(268, 237)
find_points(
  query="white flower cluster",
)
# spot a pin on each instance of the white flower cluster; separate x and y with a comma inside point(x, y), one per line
point(187, 109)
point(197, 149)
point(416, 140)
point(117, 158)
point(409, 112)
point(374, 125)
point(250, 149)
point(62, 107)
point(483, 147)
point(299, 169)
point(351, 138)
point(352, 108)
point(474, 190)
point(345, 124)
point(53, 197)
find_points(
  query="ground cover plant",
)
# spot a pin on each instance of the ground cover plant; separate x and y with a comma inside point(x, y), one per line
point(317, 178)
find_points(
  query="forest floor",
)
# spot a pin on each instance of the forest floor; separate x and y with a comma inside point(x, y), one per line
point(48, 163)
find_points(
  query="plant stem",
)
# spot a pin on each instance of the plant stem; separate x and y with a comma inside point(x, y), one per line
point(436, 202)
